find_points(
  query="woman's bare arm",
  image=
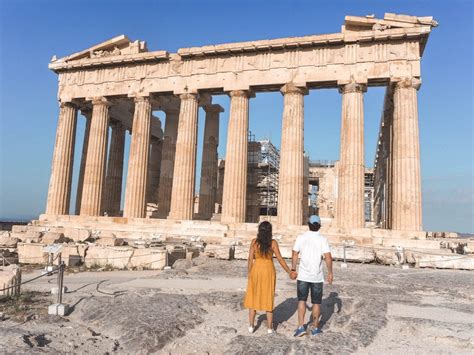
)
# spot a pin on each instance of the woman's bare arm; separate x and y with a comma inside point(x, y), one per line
point(251, 255)
point(276, 250)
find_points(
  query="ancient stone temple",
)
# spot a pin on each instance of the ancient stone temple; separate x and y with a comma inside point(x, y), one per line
point(118, 84)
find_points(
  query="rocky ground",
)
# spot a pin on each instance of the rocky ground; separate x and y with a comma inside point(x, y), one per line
point(370, 309)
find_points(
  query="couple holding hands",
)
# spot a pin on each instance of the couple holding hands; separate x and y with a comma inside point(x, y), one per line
point(311, 248)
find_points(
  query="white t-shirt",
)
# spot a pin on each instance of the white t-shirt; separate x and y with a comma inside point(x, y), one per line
point(311, 246)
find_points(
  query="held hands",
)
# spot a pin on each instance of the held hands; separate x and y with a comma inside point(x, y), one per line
point(330, 278)
point(293, 275)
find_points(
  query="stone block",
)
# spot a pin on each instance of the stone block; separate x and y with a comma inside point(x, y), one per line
point(58, 309)
point(387, 257)
point(31, 253)
point(353, 253)
point(109, 239)
point(77, 234)
point(149, 258)
point(27, 236)
point(439, 261)
point(115, 257)
point(54, 238)
point(10, 276)
point(8, 242)
point(19, 229)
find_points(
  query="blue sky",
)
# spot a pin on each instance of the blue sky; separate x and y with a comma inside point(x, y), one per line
point(33, 31)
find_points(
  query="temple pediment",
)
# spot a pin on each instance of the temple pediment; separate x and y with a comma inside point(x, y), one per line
point(114, 47)
point(390, 21)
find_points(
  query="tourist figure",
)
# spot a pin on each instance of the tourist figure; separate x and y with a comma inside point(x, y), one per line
point(311, 247)
point(262, 276)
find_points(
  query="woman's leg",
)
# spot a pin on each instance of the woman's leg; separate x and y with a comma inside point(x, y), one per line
point(252, 313)
point(270, 319)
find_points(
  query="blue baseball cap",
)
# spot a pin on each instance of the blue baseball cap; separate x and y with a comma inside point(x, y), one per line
point(314, 219)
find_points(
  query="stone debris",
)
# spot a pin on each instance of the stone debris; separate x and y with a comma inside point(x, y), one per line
point(6, 241)
point(10, 276)
point(54, 238)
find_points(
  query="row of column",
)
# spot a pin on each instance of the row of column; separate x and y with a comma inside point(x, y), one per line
point(176, 188)
point(403, 196)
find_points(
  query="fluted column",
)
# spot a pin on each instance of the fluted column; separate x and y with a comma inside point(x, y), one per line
point(182, 195)
point(235, 176)
point(135, 191)
point(59, 192)
point(167, 162)
point(406, 207)
point(94, 173)
point(87, 113)
point(208, 187)
point(113, 180)
point(350, 192)
point(154, 169)
point(291, 173)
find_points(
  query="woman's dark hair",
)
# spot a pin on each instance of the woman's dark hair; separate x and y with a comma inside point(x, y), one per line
point(264, 238)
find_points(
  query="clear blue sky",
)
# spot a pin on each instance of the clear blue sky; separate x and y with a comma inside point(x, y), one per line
point(33, 31)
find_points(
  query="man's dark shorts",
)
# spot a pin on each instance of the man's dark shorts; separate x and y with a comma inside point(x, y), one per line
point(316, 291)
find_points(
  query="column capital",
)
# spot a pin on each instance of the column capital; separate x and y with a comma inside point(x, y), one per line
point(138, 99)
point(70, 104)
point(352, 87)
point(291, 88)
point(241, 93)
point(100, 101)
point(189, 96)
point(405, 83)
point(213, 108)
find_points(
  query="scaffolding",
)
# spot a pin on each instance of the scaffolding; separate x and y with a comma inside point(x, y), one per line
point(262, 192)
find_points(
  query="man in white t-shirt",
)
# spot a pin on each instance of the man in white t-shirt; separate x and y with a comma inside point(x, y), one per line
point(312, 248)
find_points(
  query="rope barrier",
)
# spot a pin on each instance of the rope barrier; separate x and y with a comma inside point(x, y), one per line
point(30, 280)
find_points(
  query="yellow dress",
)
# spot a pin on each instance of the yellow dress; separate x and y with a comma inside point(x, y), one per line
point(261, 283)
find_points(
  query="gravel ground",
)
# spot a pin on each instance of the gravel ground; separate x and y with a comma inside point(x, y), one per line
point(370, 309)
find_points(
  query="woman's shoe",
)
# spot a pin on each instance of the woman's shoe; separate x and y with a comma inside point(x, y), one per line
point(251, 330)
point(271, 331)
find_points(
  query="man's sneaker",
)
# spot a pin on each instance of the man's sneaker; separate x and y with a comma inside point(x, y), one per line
point(316, 331)
point(251, 329)
point(300, 331)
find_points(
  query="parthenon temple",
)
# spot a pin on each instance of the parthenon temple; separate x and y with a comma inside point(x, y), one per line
point(116, 86)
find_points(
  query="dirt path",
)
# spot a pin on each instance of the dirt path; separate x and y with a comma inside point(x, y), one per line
point(370, 309)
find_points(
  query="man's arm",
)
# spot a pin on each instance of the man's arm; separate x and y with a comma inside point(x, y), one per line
point(294, 260)
point(328, 260)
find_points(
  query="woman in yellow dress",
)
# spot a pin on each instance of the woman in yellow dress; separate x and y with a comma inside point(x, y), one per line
point(261, 275)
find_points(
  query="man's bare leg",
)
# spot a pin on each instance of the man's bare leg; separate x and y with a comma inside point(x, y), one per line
point(301, 312)
point(315, 313)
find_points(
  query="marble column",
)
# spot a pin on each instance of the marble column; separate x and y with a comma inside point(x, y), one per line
point(235, 177)
point(135, 191)
point(94, 173)
point(184, 175)
point(291, 175)
point(208, 187)
point(350, 192)
point(113, 180)
point(87, 113)
point(154, 166)
point(167, 162)
point(59, 192)
point(406, 210)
